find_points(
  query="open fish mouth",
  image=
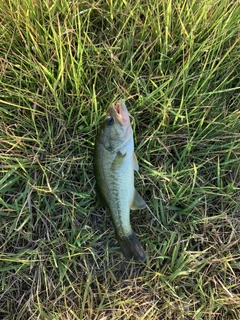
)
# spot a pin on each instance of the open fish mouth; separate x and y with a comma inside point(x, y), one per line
point(120, 113)
point(117, 108)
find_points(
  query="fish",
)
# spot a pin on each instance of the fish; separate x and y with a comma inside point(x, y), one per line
point(114, 165)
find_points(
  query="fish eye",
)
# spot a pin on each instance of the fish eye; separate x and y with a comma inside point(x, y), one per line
point(110, 121)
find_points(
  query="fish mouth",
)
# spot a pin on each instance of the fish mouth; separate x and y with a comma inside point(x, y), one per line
point(118, 108)
point(120, 113)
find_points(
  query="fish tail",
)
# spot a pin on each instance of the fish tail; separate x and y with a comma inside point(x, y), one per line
point(131, 247)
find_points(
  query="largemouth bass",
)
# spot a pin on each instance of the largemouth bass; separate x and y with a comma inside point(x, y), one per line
point(114, 165)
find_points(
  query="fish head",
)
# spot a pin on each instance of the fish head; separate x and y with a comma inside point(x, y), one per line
point(116, 129)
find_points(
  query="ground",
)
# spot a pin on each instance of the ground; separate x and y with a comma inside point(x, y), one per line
point(176, 64)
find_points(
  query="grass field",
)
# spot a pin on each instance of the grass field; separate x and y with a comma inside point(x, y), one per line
point(177, 66)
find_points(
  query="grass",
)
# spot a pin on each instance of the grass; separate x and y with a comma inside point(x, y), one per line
point(176, 64)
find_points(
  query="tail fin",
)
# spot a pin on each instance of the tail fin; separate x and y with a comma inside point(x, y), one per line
point(131, 247)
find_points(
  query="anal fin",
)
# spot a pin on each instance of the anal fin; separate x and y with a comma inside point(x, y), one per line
point(138, 202)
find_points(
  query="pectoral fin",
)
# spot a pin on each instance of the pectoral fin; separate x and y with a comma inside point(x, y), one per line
point(135, 162)
point(138, 202)
point(118, 160)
